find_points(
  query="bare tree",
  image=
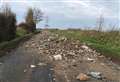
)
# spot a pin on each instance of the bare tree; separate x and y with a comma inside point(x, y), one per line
point(33, 17)
point(37, 15)
point(100, 23)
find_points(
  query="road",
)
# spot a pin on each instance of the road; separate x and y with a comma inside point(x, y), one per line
point(33, 61)
point(16, 66)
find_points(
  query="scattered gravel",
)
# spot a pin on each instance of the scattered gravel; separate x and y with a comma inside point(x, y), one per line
point(75, 58)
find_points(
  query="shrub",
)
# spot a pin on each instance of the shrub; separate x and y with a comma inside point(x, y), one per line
point(21, 32)
point(7, 24)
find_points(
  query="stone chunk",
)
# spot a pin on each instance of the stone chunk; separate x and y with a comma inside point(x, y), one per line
point(57, 57)
point(32, 66)
point(85, 47)
point(90, 59)
point(82, 77)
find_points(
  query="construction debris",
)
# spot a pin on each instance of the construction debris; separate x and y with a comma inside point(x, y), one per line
point(72, 57)
point(84, 47)
point(90, 59)
point(41, 64)
point(57, 57)
point(96, 75)
point(62, 39)
point(32, 66)
point(82, 77)
point(25, 70)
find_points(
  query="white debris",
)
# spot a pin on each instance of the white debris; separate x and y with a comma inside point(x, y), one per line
point(62, 39)
point(54, 79)
point(90, 59)
point(25, 70)
point(102, 64)
point(51, 38)
point(41, 64)
point(85, 47)
point(32, 66)
point(57, 57)
point(51, 69)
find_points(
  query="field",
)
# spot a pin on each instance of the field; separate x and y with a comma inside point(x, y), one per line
point(107, 43)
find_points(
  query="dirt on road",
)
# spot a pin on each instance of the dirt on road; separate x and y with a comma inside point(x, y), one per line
point(47, 57)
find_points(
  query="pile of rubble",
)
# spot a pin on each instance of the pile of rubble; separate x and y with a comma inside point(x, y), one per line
point(71, 59)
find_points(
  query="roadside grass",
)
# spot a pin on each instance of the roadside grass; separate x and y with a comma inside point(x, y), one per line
point(21, 35)
point(9, 45)
point(107, 43)
point(20, 32)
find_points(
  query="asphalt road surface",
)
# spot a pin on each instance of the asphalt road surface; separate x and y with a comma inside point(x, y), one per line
point(16, 67)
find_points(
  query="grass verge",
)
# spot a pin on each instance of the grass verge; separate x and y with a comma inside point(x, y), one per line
point(8, 45)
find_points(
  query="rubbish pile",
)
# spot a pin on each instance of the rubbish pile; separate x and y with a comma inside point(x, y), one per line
point(70, 57)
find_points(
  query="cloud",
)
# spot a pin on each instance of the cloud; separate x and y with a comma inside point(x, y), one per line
point(65, 10)
point(87, 8)
point(73, 8)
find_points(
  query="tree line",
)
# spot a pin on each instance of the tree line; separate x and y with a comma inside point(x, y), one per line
point(8, 22)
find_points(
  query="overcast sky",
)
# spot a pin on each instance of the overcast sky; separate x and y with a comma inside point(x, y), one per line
point(69, 13)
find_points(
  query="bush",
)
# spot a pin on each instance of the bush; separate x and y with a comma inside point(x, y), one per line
point(7, 24)
point(21, 32)
point(9, 45)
